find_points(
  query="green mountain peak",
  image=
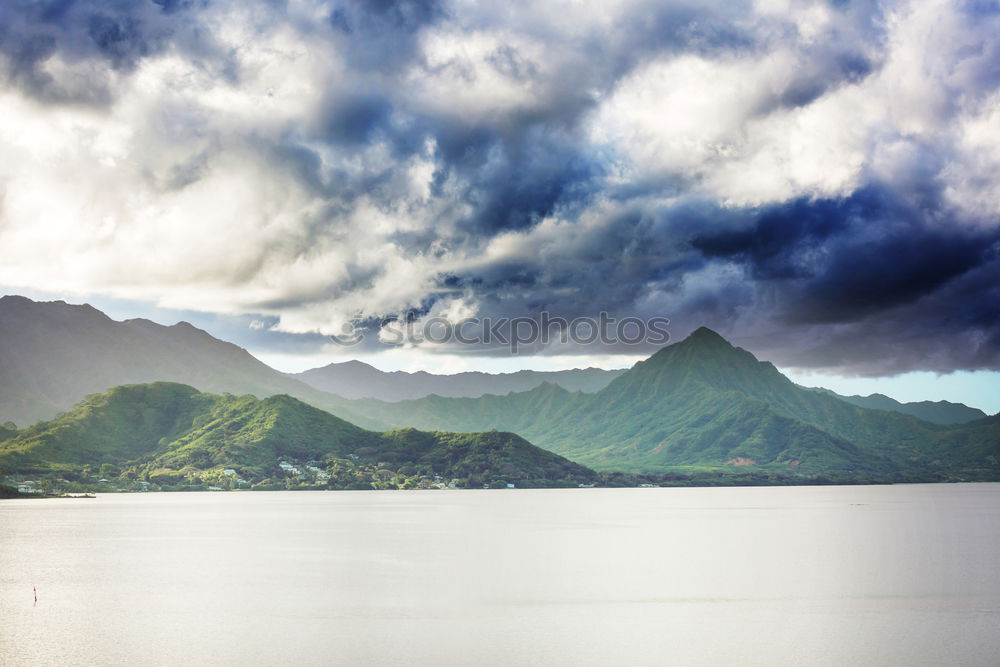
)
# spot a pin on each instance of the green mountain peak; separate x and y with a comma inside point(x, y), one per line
point(704, 357)
point(706, 335)
point(701, 342)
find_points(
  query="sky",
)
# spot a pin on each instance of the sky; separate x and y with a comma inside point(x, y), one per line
point(817, 181)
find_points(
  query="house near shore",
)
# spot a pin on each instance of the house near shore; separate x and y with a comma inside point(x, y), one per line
point(289, 468)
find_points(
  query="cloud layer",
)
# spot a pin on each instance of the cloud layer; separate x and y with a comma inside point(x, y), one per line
point(817, 180)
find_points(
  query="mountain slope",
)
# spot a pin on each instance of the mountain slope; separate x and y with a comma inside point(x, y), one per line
point(699, 402)
point(53, 354)
point(977, 442)
point(125, 423)
point(7, 430)
point(518, 412)
point(172, 434)
point(355, 379)
point(936, 412)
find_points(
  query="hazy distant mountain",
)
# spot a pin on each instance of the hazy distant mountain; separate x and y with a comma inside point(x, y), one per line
point(53, 354)
point(936, 412)
point(703, 402)
point(173, 435)
point(355, 379)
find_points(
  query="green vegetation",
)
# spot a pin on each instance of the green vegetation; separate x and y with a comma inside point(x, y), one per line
point(699, 411)
point(7, 431)
point(935, 412)
point(173, 437)
point(489, 458)
point(703, 402)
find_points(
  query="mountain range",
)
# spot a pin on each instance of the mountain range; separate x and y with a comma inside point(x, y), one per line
point(936, 412)
point(704, 402)
point(53, 354)
point(356, 379)
point(697, 405)
point(172, 435)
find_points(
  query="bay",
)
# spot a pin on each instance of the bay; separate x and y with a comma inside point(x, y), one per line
point(861, 575)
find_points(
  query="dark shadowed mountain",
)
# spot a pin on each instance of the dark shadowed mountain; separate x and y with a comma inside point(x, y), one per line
point(173, 435)
point(53, 354)
point(936, 412)
point(702, 402)
point(356, 379)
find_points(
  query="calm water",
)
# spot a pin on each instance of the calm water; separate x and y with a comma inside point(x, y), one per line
point(902, 575)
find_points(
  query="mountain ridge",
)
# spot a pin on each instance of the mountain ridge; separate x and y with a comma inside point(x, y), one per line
point(936, 412)
point(54, 354)
point(355, 379)
point(171, 434)
point(701, 401)
point(698, 402)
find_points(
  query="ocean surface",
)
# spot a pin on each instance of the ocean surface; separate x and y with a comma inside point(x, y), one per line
point(870, 575)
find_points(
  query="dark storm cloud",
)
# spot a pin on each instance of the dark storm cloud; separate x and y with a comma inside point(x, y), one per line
point(861, 279)
point(849, 258)
point(914, 289)
point(380, 35)
point(956, 327)
point(610, 269)
point(777, 243)
point(353, 119)
point(853, 256)
point(515, 186)
point(870, 283)
point(120, 40)
point(116, 34)
point(823, 70)
point(510, 177)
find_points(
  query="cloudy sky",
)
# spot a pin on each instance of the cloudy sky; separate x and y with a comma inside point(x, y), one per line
point(818, 181)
